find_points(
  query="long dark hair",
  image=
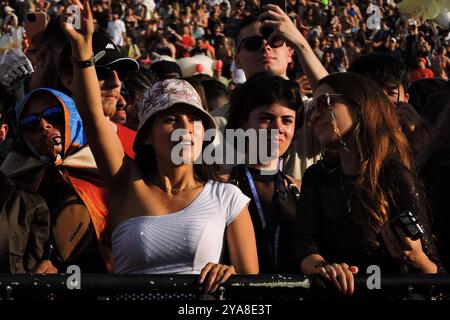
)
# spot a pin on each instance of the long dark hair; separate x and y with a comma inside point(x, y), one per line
point(378, 139)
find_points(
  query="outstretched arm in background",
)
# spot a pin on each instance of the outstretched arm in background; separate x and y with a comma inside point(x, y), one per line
point(285, 29)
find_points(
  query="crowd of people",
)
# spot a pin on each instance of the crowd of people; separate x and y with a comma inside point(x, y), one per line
point(361, 172)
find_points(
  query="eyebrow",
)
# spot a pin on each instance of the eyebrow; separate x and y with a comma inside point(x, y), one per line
point(272, 115)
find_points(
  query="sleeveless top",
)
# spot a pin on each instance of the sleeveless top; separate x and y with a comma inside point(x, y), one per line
point(182, 242)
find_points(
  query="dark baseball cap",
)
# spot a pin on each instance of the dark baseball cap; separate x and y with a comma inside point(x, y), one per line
point(106, 54)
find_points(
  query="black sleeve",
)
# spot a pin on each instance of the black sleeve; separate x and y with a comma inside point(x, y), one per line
point(307, 216)
point(408, 196)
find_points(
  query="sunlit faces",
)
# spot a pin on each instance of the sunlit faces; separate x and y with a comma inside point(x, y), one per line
point(273, 117)
point(274, 60)
point(42, 125)
point(163, 128)
point(330, 121)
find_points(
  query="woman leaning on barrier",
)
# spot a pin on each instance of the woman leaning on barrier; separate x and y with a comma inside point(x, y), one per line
point(271, 103)
point(350, 209)
point(165, 217)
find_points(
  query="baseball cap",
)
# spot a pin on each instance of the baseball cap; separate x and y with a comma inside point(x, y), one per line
point(164, 95)
point(106, 54)
point(166, 69)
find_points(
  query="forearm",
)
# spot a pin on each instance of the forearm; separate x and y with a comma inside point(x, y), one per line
point(311, 65)
point(87, 90)
point(426, 265)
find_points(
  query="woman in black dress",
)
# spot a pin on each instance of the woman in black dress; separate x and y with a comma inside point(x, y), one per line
point(348, 207)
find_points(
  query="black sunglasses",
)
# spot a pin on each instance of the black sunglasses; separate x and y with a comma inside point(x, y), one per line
point(255, 43)
point(104, 73)
point(324, 102)
point(31, 123)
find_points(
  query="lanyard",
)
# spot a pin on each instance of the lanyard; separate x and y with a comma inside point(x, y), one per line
point(276, 241)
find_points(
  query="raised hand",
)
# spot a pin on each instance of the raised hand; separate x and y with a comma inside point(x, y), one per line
point(80, 32)
point(282, 25)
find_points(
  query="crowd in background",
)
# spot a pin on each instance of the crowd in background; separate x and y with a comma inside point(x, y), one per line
point(363, 121)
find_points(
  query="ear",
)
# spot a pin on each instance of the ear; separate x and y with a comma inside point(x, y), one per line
point(3, 132)
point(66, 80)
point(406, 97)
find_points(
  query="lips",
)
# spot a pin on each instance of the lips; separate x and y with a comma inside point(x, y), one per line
point(110, 96)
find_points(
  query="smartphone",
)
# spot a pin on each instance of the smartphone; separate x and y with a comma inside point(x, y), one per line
point(409, 224)
point(280, 3)
point(35, 23)
point(266, 32)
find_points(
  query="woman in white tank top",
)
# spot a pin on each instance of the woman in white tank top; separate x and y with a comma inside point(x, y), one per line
point(165, 217)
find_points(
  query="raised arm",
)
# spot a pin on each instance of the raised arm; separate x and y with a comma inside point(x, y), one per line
point(285, 29)
point(103, 141)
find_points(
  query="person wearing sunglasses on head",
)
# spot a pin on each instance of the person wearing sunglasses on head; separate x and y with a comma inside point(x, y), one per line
point(51, 158)
point(274, 53)
point(346, 215)
point(112, 68)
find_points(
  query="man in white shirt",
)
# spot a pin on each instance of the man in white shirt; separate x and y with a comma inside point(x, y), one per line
point(117, 31)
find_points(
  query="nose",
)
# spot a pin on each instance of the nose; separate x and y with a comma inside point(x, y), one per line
point(44, 125)
point(113, 80)
point(314, 115)
point(185, 123)
point(277, 124)
point(266, 46)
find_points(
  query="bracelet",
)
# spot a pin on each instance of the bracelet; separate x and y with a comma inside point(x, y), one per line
point(84, 63)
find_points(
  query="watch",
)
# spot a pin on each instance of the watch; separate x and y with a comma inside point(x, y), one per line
point(84, 63)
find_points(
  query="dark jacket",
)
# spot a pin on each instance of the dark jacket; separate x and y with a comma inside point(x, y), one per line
point(24, 228)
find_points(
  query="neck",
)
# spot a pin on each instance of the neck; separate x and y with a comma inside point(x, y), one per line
point(172, 177)
point(272, 165)
point(349, 161)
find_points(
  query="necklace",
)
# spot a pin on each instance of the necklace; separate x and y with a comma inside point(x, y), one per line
point(176, 190)
point(348, 195)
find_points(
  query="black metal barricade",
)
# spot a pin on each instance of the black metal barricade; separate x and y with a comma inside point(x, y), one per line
point(238, 287)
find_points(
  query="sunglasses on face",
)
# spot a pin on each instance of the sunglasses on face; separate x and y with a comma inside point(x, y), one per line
point(104, 73)
point(322, 103)
point(32, 122)
point(256, 42)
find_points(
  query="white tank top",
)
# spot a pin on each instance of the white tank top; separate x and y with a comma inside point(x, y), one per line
point(182, 242)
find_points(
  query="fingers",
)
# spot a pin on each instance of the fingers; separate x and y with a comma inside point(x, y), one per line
point(205, 271)
point(340, 280)
point(407, 241)
point(88, 12)
point(273, 8)
point(350, 279)
point(213, 275)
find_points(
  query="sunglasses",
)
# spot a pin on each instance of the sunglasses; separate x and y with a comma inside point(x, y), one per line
point(104, 73)
point(256, 42)
point(324, 102)
point(32, 122)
